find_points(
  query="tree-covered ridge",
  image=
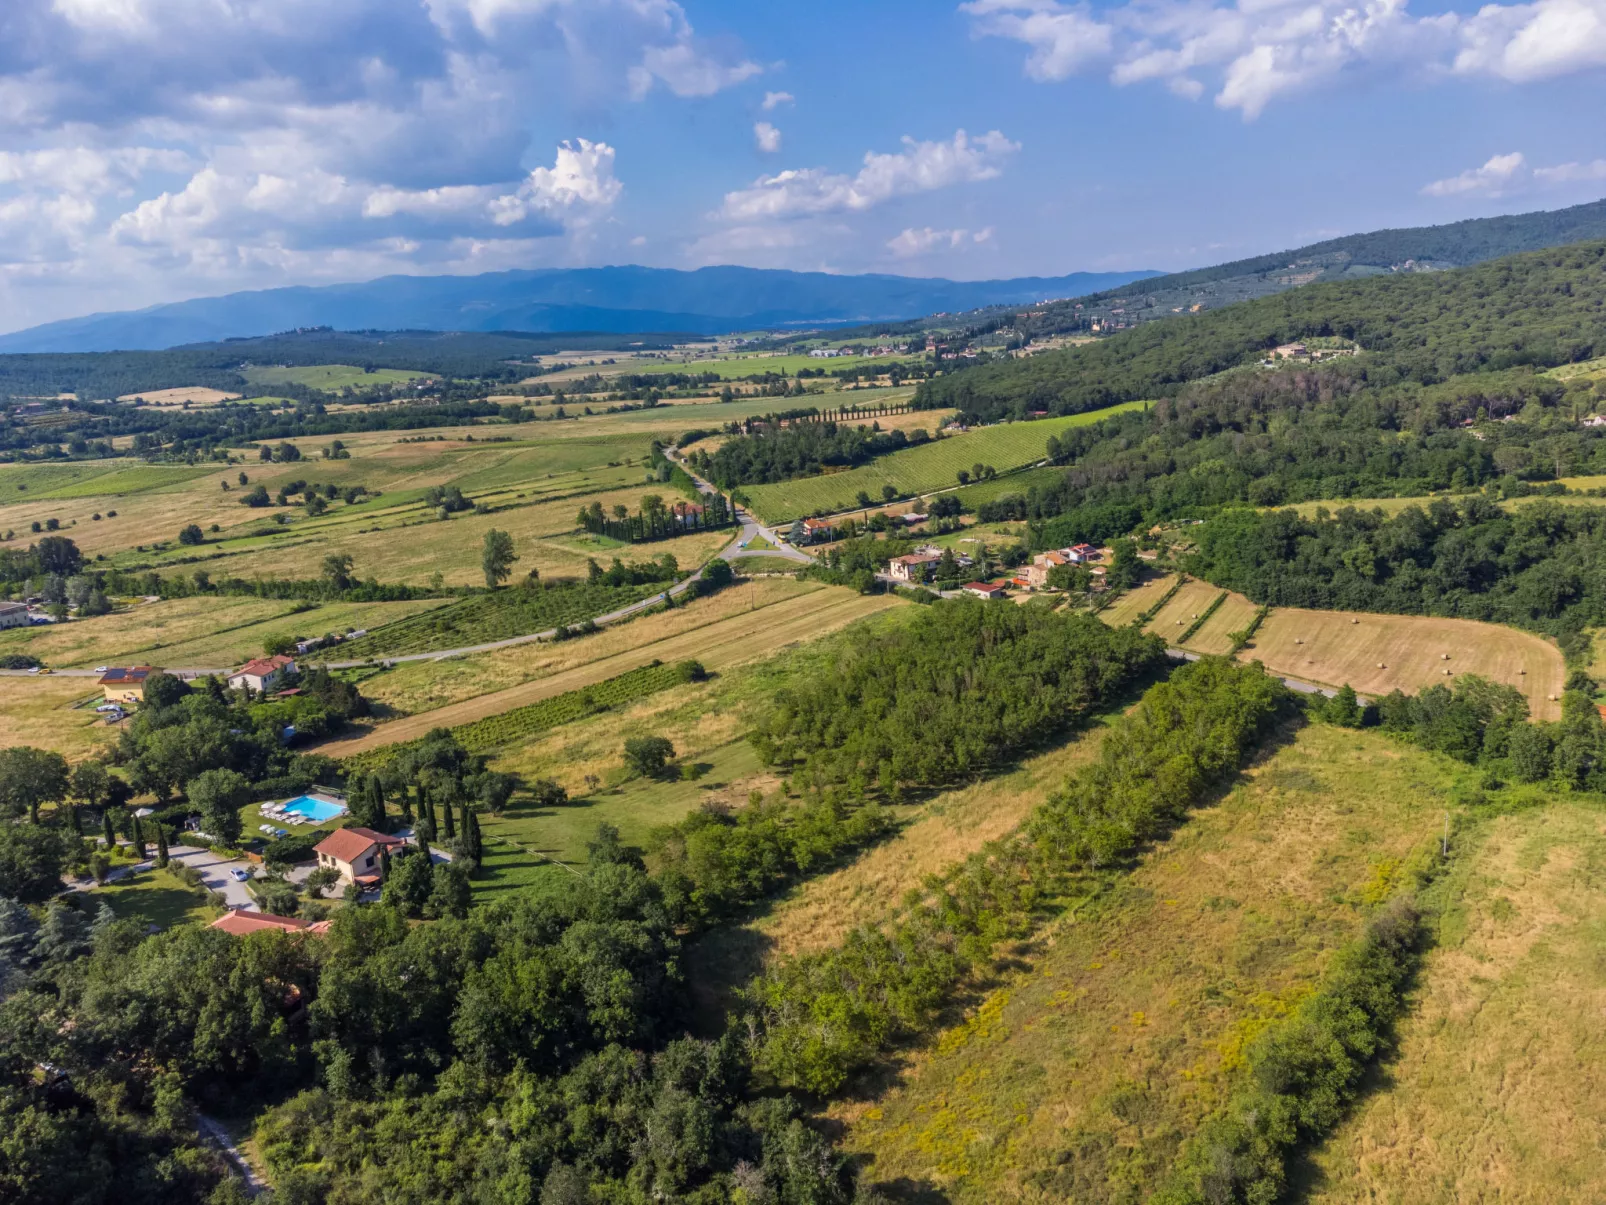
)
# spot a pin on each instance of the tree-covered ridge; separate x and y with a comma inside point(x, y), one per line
point(1541, 567)
point(803, 449)
point(955, 691)
point(1543, 308)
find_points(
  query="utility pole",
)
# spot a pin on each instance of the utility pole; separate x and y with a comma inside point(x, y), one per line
point(1444, 847)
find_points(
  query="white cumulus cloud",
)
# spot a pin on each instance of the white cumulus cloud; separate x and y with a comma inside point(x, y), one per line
point(913, 242)
point(767, 137)
point(1254, 52)
point(774, 100)
point(1500, 173)
point(919, 167)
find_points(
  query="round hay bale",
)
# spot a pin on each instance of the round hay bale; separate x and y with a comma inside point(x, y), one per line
point(1444, 656)
point(1382, 665)
point(1355, 621)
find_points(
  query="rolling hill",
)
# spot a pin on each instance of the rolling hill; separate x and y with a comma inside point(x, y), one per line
point(613, 299)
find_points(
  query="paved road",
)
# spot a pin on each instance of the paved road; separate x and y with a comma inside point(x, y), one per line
point(1304, 688)
point(749, 530)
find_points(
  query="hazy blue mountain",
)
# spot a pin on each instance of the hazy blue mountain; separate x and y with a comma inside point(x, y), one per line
point(620, 299)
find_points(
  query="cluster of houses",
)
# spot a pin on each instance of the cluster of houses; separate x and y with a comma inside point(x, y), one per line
point(918, 568)
point(124, 686)
point(1301, 352)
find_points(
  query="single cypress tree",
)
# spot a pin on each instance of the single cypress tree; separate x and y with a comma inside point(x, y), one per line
point(423, 847)
point(107, 831)
point(162, 858)
point(407, 807)
point(136, 838)
point(376, 791)
point(77, 821)
point(451, 825)
point(472, 845)
point(384, 863)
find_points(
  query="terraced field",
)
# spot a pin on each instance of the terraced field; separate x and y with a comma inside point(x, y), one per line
point(933, 466)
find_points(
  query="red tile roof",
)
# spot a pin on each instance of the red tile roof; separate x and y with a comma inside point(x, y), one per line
point(349, 844)
point(263, 666)
point(243, 922)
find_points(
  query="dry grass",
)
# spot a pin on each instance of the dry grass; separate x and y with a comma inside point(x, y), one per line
point(719, 646)
point(1379, 653)
point(1233, 615)
point(195, 633)
point(426, 685)
point(1080, 1071)
point(1177, 616)
point(195, 395)
point(1137, 600)
point(1497, 1092)
point(38, 711)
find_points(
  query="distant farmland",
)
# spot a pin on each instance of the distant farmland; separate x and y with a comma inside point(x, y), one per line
point(920, 470)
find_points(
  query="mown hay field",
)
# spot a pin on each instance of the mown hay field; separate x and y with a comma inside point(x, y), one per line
point(420, 686)
point(1076, 1076)
point(207, 632)
point(920, 470)
point(1498, 1090)
point(729, 642)
point(39, 711)
point(1137, 600)
point(1177, 616)
point(1233, 615)
point(1379, 653)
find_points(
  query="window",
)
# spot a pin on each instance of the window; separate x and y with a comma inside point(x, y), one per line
point(369, 860)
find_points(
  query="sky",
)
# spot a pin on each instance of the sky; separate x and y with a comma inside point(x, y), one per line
point(153, 150)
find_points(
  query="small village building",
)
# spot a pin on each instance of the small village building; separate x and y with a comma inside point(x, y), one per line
point(915, 567)
point(818, 529)
point(264, 673)
point(1045, 563)
point(983, 590)
point(13, 615)
point(355, 853)
point(125, 686)
point(244, 921)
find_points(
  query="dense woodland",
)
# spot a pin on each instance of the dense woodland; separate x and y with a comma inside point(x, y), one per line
point(1539, 566)
point(803, 449)
point(1545, 308)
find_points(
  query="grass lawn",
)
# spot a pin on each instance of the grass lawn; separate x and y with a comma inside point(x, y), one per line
point(156, 897)
point(919, 470)
point(526, 843)
point(1097, 1047)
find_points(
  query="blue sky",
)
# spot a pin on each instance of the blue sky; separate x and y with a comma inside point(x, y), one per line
point(158, 149)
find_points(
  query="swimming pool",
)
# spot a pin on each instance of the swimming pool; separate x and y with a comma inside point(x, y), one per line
point(315, 808)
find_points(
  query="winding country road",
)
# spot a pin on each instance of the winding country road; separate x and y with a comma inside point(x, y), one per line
point(749, 530)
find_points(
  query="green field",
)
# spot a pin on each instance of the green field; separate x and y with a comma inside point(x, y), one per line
point(920, 470)
point(331, 377)
point(1013, 483)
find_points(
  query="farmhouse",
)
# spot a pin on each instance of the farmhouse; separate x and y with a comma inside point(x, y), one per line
point(1044, 563)
point(916, 567)
point(817, 529)
point(983, 590)
point(244, 921)
point(355, 853)
point(264, 673)
point(13, 615)
point(125, 685)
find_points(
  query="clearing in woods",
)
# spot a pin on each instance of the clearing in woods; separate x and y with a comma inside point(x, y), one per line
point(1373, 653)
point(920, 470)
point(1379, 653)
point(1076, 1076)
point(194, 395)
point(718, 646)
point(1496, 1092)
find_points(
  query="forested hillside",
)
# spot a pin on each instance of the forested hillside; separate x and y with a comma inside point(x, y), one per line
point(1544, 308)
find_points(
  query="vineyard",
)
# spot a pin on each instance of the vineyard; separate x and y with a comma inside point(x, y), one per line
point(918, 470)
point(499, 615)
point(511, 727)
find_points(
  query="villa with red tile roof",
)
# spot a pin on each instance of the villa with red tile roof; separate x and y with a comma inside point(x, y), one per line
point(355, 853)
point(244, 921)
point(264, 673)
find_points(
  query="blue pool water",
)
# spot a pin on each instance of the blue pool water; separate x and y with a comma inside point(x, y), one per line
point(315, 809)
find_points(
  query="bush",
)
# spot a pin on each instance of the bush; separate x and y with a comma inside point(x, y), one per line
point(648, 756)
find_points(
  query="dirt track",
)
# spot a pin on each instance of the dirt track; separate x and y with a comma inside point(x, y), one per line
point(718, 646)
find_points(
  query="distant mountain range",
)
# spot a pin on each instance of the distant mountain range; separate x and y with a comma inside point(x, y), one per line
point(614, 300)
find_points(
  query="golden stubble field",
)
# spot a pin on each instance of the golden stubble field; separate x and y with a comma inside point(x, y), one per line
point(735, 636)
point(1373, 653)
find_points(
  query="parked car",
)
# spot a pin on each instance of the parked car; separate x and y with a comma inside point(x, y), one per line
point(240, 876)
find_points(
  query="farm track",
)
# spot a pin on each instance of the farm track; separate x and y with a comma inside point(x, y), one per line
point(718, 646)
